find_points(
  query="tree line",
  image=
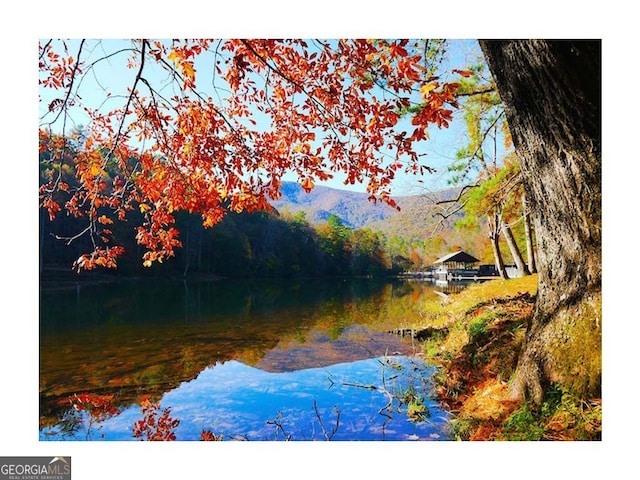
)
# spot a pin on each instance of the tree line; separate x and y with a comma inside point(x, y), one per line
point(242, 244)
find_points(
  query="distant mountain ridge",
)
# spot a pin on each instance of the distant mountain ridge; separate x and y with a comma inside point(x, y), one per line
point(354, 208)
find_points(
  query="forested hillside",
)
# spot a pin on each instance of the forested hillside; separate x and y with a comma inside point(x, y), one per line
point(353, 208)
point(261, 244)
point(416, 235)
point(324, 232)
point(356, 211)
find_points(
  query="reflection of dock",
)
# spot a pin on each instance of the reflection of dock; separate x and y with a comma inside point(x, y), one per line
point(447, 287)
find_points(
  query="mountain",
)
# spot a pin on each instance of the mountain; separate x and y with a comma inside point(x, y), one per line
point(353, 208)
point(356, 211)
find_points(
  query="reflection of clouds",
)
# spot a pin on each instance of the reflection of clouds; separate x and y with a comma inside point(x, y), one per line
point(242, 402)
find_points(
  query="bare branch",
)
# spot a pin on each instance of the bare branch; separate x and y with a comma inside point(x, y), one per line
point(328, 436)
point(72, 79)
point(462, 191)
point(479, 91)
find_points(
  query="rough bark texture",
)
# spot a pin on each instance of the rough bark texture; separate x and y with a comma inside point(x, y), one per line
point(552, 95)
point(515, 251)
point(528, 234)
point(497, 255)
point(494, 235)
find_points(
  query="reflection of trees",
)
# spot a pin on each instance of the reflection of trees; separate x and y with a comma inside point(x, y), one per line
point(403, 387)
point(132, 339)
point(86, 413)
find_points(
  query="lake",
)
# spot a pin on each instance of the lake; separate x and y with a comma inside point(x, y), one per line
point(245, 360)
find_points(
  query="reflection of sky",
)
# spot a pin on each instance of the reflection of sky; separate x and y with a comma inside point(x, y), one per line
point(238, 401)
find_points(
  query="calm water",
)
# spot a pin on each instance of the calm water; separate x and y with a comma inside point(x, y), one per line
point(251, 360)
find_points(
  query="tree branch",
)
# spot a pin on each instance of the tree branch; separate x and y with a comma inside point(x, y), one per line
point(72, 79)
point(480, 91)
point(328, 436)
point(460, 194)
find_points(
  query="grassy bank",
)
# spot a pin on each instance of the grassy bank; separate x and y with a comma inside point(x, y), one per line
point(476, 337)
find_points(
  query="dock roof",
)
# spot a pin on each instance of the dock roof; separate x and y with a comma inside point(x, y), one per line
point(460, 256)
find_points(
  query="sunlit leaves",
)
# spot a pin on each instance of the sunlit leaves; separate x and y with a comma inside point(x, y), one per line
point(100, 257)
point(425, 89)
point(307, 185)
point(241, 113)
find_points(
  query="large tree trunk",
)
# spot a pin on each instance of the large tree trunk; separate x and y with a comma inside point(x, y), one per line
point(552, 94)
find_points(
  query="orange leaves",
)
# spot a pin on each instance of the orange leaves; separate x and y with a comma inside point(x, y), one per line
point(397, 49)
point(57, 70)
point(100, 257)
point(103, 219)
point(185, 67)
point(410, 69)
point(433, 110)
point(209, 436)
point(157, 424)
point(223, 142)
point(51, 205)
point(307, 185)
point(463, 73)
point(212, 217)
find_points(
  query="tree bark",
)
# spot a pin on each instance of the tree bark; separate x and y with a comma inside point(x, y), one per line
point(497, 256)
point(528, 235)
point(515, 251)
point(552, 96)
point(494, 235)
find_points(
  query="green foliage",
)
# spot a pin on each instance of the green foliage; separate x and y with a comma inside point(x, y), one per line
point(417, 411)
point(562, 416)
point(461, 428)
point(477, 327)
point(523, 425)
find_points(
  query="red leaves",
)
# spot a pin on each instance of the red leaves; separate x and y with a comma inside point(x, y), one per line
point(463, 73)
point(209, 436)
point(52, 207)
point(156, 424)
point(223, 143)
point(397, 49)
point(100, 407)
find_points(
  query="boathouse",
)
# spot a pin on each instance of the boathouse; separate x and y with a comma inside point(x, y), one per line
point(456, 265)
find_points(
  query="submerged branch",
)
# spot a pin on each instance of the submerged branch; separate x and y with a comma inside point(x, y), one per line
point(328, 436)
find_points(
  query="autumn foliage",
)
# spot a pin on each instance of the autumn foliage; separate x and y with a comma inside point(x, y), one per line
point(99, 407)
point(211, 126)
point(156, 425)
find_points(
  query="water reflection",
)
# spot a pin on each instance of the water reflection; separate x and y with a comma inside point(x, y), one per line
point(449, 287)
point(337, 402)
point(227, 356)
